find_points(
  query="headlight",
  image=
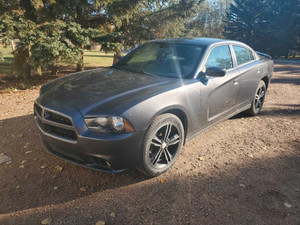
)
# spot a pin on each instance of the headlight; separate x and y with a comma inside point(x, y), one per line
point(109, 124)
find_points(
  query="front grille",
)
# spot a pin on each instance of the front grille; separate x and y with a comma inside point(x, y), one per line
point(48, 115)
point(70, 134)
point(37, 110)
point(54, 123)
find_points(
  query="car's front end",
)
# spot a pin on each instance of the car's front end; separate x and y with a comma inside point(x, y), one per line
point(65, 133)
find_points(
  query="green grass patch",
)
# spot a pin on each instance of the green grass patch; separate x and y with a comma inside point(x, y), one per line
point(91, 59)
point(8, 81)
point(5, 65)
point(97, 59)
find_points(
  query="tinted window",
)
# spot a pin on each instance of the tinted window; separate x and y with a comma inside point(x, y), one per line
point(242, 55)
point(163, 59)
point(251, 55)
point(220, 57)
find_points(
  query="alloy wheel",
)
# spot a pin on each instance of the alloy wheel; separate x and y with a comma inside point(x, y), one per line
point(164, 146)
point(259, 98)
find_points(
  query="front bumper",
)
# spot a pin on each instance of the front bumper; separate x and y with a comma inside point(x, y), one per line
point(109, 153)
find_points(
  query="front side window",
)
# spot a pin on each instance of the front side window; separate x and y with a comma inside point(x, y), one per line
point(220, 57)
point(242, 55)
point(163, 59)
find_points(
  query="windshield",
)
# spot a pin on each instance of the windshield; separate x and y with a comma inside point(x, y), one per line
point(163, 59)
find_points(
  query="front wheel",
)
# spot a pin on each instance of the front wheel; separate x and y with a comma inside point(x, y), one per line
point(162, 145)
point(258, 99)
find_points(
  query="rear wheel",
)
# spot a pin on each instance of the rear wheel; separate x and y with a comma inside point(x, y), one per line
point(258, 99)
point(162, 145)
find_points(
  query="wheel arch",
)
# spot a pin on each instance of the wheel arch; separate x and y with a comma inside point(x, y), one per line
point(177, 111)
point(266, 80)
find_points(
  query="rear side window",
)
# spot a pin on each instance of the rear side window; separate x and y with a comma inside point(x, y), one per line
point(220, 57)
point(242, 55)
point(251, 55)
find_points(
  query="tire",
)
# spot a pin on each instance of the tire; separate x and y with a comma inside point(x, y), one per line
point(161, 146)
point(258, 99)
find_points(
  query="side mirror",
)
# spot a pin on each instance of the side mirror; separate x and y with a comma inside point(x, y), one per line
point(215, 71)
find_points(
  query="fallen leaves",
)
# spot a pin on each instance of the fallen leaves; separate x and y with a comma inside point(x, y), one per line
point(4, 159)
point(162, 181)
point(20, 135)
point(26, 145)
point(250, 155)
point(28, 152)
point(201, 158)
point(287, 205)
point(100, 222)
point(242, 185)
point(43, 166)
point(59, 168)
point(46, 221)
point(83, 189)
point(55, 187)
point(112, 215)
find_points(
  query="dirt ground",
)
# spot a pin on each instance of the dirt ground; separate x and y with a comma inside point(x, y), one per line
point(245, 170)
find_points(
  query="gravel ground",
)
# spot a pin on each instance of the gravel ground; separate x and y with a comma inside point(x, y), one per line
point(245, 170)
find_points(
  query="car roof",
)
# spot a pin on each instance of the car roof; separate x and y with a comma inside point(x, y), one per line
point(196, 41)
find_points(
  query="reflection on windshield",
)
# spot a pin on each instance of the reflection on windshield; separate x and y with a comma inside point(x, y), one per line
point(163, 59)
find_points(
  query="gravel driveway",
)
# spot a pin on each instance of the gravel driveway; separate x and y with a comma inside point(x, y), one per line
point(246, 170)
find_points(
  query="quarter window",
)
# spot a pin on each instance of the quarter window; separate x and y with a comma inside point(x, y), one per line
point(242, 55)
point(251, 55)
point(220, 57)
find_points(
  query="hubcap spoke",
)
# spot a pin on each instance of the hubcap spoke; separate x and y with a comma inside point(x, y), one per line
point(256, 103)
point(168, 156)
point(261, 94)
point(259, 103)
point(157, 156)
point(155, 144)
point(168, 131)
point(174, 140)
point(156, 141)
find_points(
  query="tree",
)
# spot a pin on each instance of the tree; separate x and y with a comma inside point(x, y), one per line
point(135, 21)
point(266, 25)
point(209, 21)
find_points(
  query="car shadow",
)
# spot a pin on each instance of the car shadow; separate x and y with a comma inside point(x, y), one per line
point(257, 191)
point(46, 179)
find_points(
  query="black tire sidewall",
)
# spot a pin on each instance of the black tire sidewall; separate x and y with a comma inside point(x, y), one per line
point(253, 111)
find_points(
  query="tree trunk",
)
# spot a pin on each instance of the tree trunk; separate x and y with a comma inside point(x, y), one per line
point(54, 70)
point(286, 54)
point(27, 70)
point(117, 56)
point(13, 46)
point(80, 64)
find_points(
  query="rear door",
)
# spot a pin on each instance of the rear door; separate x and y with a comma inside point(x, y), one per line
point(249, 71)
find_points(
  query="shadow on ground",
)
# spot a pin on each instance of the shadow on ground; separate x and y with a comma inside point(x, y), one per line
point(249, 193)
point(18, 183)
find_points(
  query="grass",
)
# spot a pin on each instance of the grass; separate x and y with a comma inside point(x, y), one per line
point(5, 66)
point(92, 59)
point(8, 82)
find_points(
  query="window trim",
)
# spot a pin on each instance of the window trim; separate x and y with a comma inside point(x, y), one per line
point(216, 46)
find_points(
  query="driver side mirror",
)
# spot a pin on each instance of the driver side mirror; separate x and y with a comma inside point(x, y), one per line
point(215, 71)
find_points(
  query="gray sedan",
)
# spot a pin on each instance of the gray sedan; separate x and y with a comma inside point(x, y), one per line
point(140, 112)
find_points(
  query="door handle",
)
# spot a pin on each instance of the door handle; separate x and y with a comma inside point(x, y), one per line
point(258, 70)
point(235, 82)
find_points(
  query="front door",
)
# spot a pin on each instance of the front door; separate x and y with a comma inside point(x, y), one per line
point(221, 92)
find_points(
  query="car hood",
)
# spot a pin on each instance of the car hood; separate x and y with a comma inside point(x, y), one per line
point(88, 90)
